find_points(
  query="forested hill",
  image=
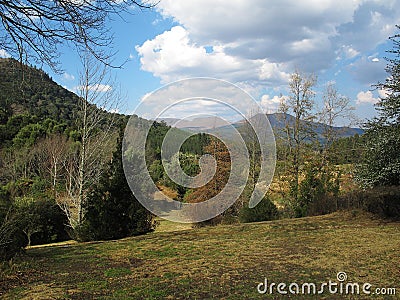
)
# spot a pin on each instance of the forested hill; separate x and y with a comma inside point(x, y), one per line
point(28, 90)
point(33, 106)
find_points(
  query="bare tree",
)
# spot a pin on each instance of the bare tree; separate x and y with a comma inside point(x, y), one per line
point(296, 112)
point(335, 107)
point(35, 28)
point(52, 153)
point(98, 97)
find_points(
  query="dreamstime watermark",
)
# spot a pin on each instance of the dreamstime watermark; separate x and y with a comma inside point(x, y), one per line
point(200, 105)
point(341, 287)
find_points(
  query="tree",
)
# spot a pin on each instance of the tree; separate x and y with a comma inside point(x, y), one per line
point(33, 29)
point(96, 137)
point(219, 151)
point(297, 128)
point(112, 211)
point(53, 152)
point(382, 164)
point(264, 211)
point(335, 107)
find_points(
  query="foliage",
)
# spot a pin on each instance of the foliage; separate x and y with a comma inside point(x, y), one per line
point(221, 154)
point(30, 95)
point(320, 181)
point(41, 220)
point(28, 220)
point(348, 150)
point(111, 210)
point(382, 161)
point(264, 211)
point(297, 131)
point(382, 164)
point(12, 239)
point(383, 201)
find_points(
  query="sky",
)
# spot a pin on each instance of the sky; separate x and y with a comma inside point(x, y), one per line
point(255, 44)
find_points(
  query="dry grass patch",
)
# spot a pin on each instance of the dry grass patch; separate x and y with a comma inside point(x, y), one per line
point(222, 262)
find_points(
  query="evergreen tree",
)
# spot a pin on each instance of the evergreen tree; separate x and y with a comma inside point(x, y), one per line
point(382, 165)
point(112, 211)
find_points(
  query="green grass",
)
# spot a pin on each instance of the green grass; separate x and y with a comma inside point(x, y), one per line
point(223, 262)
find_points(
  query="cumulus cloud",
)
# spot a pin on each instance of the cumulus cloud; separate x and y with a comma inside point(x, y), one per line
point(366, 98)
point(285, 30)
point(371, 24)
point(271, 105)
point(173, 55)
point(260, 42)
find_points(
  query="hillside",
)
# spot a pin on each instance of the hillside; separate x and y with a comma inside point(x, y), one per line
point(27, 90)
point(223, 262)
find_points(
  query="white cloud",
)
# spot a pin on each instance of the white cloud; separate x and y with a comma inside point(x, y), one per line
point(271, 105)
point(347, 52)
point(383, 93)
point(100, 88)
point(173, 55)
point(258, 40)
point(366, 98)
point(281, 31)
point(68, 77)
point(4, 54)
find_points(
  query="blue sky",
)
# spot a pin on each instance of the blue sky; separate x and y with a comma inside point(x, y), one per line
point(255, 44)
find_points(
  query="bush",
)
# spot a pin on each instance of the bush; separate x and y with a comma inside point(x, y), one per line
point(42, 221)
point(383, 201)
point(264, 211)
point(12, 239)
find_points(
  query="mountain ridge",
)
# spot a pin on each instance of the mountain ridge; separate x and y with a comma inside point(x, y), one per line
point(277, 121)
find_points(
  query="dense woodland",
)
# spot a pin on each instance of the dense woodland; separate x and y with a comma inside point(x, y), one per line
point(61, 174)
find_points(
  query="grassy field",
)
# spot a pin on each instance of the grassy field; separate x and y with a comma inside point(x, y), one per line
point(223, 262)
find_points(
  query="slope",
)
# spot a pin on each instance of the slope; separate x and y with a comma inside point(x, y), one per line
point(222, 262)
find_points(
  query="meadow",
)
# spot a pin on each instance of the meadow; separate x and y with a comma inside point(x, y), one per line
point(220, 262)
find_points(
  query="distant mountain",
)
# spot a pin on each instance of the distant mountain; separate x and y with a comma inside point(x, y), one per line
point(277, 121)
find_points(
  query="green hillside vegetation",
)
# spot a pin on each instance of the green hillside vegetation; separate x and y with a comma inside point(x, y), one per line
point(40, 148)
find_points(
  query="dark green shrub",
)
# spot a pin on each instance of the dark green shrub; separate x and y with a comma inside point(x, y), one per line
point(320, 184)
point(12, 239)
point(383, 201)
point(264, 211)
point(42, 221)
point(111, 210)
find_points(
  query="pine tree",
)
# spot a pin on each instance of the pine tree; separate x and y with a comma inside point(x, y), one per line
point(382, 165)
point(112, 211)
